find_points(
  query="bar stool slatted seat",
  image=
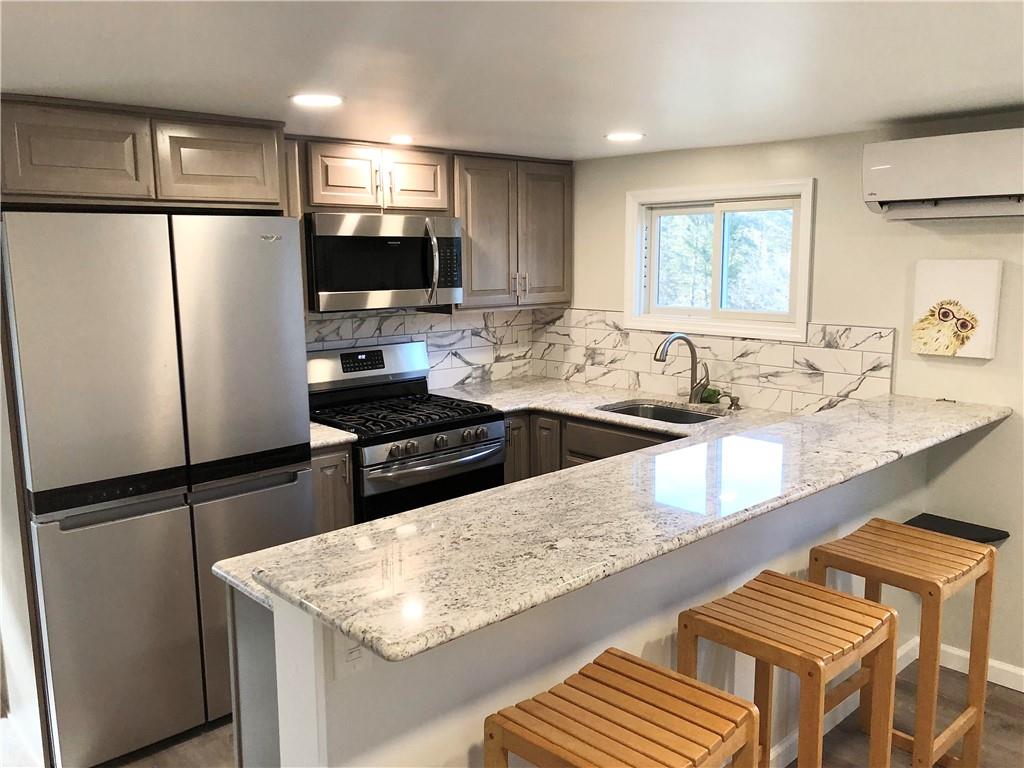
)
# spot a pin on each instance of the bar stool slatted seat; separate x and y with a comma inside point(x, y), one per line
point(812, 631)
point(624, 711)
point(934, 566)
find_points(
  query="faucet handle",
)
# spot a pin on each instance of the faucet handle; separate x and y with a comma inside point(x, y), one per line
point(705, 376)
point(734, 400)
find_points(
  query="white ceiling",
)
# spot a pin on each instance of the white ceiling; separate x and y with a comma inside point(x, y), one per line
point(544, 79)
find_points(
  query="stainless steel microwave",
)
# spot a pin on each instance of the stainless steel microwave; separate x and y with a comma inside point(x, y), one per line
point(375, 261)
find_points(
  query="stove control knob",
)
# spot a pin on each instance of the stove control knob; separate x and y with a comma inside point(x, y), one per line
point(411, 447)
point(481, 433)
point(467, 435)
point(441, 441)
point(395, 451)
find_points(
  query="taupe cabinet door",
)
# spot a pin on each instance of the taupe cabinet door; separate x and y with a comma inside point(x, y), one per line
point(202, 161)
point(398, 179)
point(486, 201)
point(76, 152)
point(546, 453)
point(545, 232)
point(517, 455)
point(344, 174)
point(417, 180)
point(332, 491)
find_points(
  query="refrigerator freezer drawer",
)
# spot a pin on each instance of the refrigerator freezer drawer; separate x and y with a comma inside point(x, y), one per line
point(120, 634)
point(234, 525)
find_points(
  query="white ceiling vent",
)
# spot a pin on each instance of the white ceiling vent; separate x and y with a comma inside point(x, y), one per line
point(940, 177)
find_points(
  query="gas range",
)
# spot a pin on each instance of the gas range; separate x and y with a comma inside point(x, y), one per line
point(413, 448)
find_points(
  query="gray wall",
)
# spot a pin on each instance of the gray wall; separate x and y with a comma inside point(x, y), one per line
point(863, 274)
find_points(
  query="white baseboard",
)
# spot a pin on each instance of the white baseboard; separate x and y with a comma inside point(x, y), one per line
point(999, 672)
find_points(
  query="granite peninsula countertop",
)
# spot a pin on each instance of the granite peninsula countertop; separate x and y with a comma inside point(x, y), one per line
point(407, 583)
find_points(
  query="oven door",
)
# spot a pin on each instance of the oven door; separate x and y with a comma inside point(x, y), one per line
point(375, 261)
point(386, 489)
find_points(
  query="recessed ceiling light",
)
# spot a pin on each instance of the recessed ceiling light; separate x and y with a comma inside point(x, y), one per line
point(624, 136)
point(316, 100)
point(401, 138)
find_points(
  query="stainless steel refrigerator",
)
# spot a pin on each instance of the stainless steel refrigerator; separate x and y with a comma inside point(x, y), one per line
point(159, 366)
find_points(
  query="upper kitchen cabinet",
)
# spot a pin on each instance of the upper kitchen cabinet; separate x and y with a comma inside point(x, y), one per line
point(74, 152)
point(485, 200)
point(367, 176)
point(517, 231)
point(545, 233)
point(344, 174)
point(71, 152)
point(417, 180)
point(206, 161)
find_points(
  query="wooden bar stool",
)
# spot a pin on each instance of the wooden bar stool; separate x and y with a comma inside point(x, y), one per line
point(814, 632)
point(934, 566)
point(624, 711)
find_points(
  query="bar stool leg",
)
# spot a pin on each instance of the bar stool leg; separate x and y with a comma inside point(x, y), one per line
point(882, 699)
point(977, 673)
point(746, 757)
point(686, 648)
point(927, 679)
point(873, 592)
point(495, 754)
point(764, 674)
point(812, 719)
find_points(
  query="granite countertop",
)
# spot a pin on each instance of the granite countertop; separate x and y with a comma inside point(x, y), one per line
point(321, 436)
point(530, 393)
point(565, 398)
point(410, 582)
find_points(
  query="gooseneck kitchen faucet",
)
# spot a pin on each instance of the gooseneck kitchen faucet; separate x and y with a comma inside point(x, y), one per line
point(696, 387)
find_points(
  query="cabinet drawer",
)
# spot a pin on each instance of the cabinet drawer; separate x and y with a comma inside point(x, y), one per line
point(76, 153)
point(201, 161)
point(584, 440)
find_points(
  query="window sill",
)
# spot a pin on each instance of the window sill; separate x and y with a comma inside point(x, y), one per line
point(794, 332)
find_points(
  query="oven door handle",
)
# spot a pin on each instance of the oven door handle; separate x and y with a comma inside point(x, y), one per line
point(437, 261)
point(427, 468)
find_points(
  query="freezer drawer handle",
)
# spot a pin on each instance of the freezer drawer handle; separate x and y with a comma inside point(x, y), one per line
point(252, 485)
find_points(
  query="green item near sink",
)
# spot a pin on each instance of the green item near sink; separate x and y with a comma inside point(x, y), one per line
point(711, 395)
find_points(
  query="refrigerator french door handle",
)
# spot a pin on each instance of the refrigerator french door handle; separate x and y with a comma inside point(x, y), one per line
point(264, 481)
point(432, 296)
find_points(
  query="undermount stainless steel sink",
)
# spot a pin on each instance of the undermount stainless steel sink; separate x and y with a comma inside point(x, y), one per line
point(658, 412)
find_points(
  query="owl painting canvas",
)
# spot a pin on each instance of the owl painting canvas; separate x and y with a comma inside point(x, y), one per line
point(956, 307)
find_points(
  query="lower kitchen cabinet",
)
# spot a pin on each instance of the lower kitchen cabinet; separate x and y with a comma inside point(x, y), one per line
point(539, 443)
point(517, 454)
point(584, 441)
point(545, 445)
point(332, 491)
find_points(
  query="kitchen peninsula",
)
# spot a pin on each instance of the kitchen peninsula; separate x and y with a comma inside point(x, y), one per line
point(393, 639)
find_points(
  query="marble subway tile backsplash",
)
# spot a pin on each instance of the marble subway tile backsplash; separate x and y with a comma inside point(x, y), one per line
point(838, 363)
point(467, 346)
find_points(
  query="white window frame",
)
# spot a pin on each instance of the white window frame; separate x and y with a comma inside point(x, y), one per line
point(641, 310)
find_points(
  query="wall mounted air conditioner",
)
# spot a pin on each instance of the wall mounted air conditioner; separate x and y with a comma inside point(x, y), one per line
point(941, 177)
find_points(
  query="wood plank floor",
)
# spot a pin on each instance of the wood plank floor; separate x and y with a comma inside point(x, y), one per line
point(845, 745)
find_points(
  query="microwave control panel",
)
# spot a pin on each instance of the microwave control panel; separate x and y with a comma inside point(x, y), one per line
point(450, 251)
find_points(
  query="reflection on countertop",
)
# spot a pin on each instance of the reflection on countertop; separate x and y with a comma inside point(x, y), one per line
point(407, 583)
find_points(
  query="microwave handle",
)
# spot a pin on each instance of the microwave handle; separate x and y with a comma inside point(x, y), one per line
point(437, 261)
